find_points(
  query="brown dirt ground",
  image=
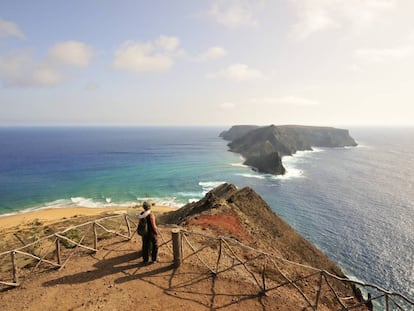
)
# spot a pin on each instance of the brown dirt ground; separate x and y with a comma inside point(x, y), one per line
point(115, 279)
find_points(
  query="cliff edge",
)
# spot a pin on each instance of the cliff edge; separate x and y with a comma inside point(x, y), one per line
point(256, 223)
point(246, 217)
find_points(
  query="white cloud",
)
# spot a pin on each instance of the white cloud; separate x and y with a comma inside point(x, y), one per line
point(45, 75)
point(234, 13)
point(152, 56)
point(21, 70)
point(212, 54)
point(71, 53)
point(10, 29)
point(286, 100)
point(322, 15)
point(168, 43)
point(238, 72)
point(383, 55)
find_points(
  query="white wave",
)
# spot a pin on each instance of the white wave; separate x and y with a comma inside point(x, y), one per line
point(190, 194)
point(58, 203)
point(84, 202)
point(209, 185)
point(90, 203)
point(306, 153)
point(290, 163)
point(291, 173)
point(239, 165)
point(192, 200)
point(317, 149)
point(161, 201)
point(247, 175)
point(27, 210)
point(362, 145)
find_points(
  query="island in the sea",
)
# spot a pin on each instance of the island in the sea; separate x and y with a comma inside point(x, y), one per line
point(264, 146)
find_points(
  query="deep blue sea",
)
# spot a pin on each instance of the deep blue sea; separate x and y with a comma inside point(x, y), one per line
point(356, 204)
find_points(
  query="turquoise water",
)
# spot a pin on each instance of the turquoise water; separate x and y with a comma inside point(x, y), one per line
point(97, 167)
point(355, 204)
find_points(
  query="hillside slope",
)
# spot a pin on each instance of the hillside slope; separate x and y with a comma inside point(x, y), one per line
point(245, 216)
point(115, 278)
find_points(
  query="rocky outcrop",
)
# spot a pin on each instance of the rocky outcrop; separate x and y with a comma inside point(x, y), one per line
point(266, 229)
point(269, 163)
point(264, 147)
point(245, 216)
point(237, 131)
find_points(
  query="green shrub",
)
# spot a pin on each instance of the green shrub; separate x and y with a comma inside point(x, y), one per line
point(75, 235)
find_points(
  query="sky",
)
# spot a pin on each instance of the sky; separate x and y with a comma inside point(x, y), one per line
point(206, 62)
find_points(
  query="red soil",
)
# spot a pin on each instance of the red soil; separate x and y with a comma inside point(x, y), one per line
point(224, 224)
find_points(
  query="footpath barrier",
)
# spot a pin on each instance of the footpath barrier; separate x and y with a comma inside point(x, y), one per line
point(267, 271)
point(47, 251)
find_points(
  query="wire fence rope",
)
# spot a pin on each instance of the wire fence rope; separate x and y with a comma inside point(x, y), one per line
point(265, 268)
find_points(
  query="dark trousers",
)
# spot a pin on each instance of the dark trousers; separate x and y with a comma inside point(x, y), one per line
point(149, 241)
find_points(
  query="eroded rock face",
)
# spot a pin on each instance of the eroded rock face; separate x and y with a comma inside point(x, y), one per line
point(268, 163)
point(237, 131)
point(258, 221)
point(243, 215)
point(264, 147)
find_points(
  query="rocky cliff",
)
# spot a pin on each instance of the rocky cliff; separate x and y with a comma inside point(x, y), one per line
point(245, 216)
point(257, 224)
point(237, 131)
point(264, 147)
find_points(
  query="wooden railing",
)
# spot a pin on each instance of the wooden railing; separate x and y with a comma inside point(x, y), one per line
point(267, 271)
point(48, 249)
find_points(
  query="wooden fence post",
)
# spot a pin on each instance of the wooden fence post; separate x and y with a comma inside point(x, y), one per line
point(128, 225)
point(14, 263)
point(95, 237)
point(318, 294)
point(387, 303)
point(177, 249)
point(219, 257)
point(59, 260)
point(264, 275)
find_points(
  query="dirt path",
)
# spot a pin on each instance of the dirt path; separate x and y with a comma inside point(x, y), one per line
point(115, 279)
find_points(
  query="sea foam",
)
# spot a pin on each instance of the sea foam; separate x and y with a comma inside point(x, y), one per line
point(252, 175)
point(161, 201)
point(209, 185)
point(239, 165)
point(84, 202)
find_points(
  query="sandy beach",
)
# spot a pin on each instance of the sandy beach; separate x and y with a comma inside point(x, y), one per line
point(52, 215)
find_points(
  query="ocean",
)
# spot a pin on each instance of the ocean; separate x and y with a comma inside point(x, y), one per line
point(356, 204)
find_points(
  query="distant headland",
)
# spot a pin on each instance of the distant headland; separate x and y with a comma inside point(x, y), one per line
point(264, 146)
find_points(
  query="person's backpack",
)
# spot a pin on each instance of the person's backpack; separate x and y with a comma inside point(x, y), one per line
point(142, 228)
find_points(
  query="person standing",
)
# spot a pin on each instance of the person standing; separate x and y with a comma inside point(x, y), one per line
point(149, 235)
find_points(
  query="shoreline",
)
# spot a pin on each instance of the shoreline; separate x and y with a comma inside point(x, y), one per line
point(52, 215)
